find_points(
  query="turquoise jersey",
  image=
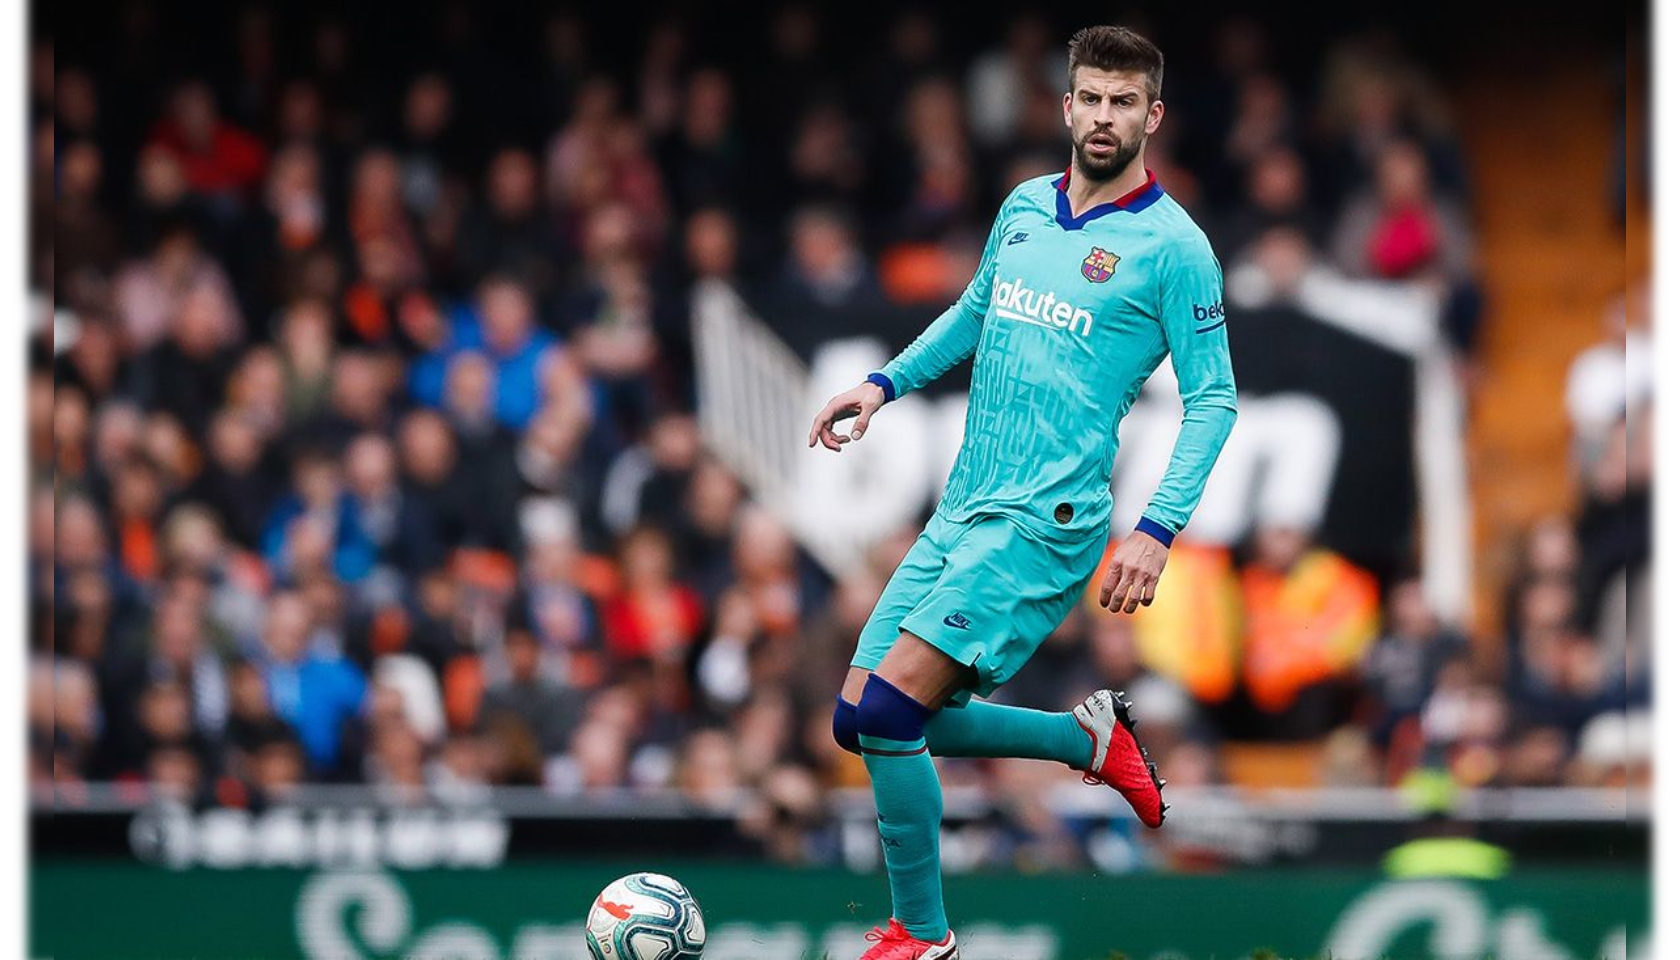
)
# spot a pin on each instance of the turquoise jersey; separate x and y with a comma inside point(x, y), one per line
point(1065, 319)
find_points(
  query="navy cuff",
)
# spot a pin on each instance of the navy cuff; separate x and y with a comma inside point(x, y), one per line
point(885, 383)
point(1156, 530)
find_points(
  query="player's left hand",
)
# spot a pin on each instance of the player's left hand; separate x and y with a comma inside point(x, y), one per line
point(1133, 572)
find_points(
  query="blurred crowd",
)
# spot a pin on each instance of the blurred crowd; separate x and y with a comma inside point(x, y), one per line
point(364, 445)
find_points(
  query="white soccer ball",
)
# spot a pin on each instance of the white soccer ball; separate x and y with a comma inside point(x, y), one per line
point(645, 916)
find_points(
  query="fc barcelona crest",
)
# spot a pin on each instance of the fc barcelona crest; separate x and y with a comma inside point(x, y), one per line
point(1099, 266)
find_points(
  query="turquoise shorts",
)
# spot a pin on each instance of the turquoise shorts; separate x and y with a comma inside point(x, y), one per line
point(985, 591)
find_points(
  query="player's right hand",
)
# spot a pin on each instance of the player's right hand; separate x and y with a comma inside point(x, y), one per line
point(861, 402)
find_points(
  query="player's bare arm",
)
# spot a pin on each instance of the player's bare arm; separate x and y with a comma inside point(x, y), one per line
point(861, 402)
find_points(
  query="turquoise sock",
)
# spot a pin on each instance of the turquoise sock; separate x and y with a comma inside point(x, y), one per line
point(981, 729)
point(910, 805)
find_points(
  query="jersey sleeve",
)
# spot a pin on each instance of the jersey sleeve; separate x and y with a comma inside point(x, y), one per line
point(1192, 313)
point(954, 334)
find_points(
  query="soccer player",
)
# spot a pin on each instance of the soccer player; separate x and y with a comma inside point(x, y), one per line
point(1089, 279)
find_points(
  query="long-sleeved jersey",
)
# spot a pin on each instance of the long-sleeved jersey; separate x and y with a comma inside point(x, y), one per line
point(1066, 318)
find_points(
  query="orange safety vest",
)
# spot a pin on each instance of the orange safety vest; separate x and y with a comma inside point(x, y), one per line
point(1305, 626)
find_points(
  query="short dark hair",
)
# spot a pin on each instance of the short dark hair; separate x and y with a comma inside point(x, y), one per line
point(1120, 49)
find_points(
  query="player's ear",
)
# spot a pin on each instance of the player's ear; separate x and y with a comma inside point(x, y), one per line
point(1156, 111)
point(1067, 110)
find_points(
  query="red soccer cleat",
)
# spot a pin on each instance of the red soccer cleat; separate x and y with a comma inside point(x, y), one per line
point(896, 943)
point(1118, 759)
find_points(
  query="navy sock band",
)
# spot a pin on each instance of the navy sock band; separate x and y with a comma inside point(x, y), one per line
point(845, 725)
point(885, 712)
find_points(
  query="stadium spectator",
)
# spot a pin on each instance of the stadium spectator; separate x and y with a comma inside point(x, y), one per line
point(931, 166)
point(1615, 751)
point(546, 711)
point(707, 771)
point(174, 651)
point(609, 319)
point(701, 160)
point(375, 214)
point(396, 526)
point(1403, 228)
point(251, 720)
point(767, 568)
point(826, 277)
point(549, 459)
point(396, 759)
point(510, 234)
point(42, 737)
point(1614, 528)
point(469, 404)
point(75, 102)
point(823, 163)
point(292, 221)
point(70, 431)
point(599, 158)
point(1275, 195)
point(92, 361)
point(439, 634)
point(1401, 667)
point(153, 296)
point(432, 155)
point(278, 769)
point(1463, 723)
point(651, 615)
point(561, 615)
point(318, 694)
point(236, 483)
point(1009, 83)
point(502, 325)
point(433, 471)
point(595, 763)
point(65, 721)
point(317, 522)
point(305, 339)
point(1614, 375)
point(221, 162)
point(136, 502)
point(1309, 617)
point(790, 819)
point(1373, 96)
point(84, 235)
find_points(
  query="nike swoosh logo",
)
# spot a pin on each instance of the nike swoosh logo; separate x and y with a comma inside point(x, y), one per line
point(1214, 326)
point(957, 620)
point(1018, 238)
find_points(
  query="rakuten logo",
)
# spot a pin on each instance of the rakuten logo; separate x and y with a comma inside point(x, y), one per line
point(1015, 300)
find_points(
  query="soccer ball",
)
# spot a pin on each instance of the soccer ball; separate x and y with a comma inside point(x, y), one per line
point(645, 916)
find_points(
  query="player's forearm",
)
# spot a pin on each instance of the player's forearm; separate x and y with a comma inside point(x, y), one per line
point(946, 342)
point(1201, 435)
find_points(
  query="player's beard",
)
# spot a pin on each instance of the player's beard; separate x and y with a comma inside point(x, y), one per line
point(1103, 169)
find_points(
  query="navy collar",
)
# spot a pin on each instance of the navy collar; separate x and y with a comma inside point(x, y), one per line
point(1134, 202)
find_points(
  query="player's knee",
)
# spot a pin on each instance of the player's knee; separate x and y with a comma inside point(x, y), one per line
point(845, 725)
point(888, 713)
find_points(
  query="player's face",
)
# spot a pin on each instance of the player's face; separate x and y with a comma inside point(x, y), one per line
point(1109, 114)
